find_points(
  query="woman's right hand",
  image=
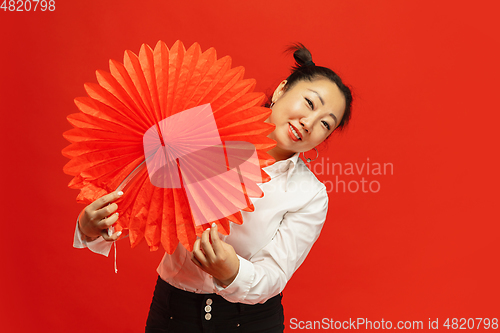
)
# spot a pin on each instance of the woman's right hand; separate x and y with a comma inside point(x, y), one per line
point(97, 217)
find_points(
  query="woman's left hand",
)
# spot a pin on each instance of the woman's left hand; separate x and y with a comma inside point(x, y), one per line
point(216, 257)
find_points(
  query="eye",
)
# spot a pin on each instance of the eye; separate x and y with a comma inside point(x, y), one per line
point(326, 125)
point(311, 104)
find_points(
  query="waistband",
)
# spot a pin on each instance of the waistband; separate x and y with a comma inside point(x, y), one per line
point(195, 299)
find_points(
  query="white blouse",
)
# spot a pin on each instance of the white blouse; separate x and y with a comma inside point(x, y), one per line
point(271, 244)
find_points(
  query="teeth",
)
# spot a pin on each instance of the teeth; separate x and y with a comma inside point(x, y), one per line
point(295, 133)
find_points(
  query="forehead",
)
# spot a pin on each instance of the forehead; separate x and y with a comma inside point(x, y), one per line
point(329, 92)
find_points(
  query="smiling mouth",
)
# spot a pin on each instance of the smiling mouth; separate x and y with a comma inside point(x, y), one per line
point(294, 132)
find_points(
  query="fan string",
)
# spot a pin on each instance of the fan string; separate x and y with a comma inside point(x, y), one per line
point(111, 230)
point(121, 187)
point(131, 175)
point(116, 267)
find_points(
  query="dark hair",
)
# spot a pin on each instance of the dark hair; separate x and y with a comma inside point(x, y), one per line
point(305, 69)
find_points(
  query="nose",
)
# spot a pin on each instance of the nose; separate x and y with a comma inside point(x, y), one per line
point(306, 124)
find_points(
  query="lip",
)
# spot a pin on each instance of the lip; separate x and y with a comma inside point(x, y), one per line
point(292, 136)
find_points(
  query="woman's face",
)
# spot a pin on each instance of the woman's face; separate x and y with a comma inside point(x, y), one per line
point(304, 115)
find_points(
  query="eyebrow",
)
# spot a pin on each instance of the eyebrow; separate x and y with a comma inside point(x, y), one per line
point(321, 99)
point(334, 118)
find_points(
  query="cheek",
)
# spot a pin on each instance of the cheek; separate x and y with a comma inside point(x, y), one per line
point(291, 109)
point(318, 138)
point(297, 109)
point(286, 110)
point(279, 116)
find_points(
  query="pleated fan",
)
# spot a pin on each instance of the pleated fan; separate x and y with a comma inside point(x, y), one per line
point(181, 133)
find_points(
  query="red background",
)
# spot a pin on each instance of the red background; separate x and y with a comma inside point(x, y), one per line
point(425, 80)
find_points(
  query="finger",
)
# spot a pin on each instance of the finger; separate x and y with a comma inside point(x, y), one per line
point(116, 235)
point(110, 237)
point(105, 211)
point(105, 234)
point(198, 254)
point(105, 200)
point(206, 246)
point(216, 242)
point(107, 222)
point(110, 234)
point(196, 245)
point(195, 261)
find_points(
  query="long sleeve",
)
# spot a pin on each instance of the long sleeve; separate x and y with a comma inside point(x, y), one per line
point(99, 245)
point(266, 273)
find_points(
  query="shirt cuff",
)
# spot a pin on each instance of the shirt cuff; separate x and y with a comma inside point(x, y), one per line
point(99, 245)
point(239, 288)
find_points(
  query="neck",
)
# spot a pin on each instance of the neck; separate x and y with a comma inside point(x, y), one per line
point(279, 154)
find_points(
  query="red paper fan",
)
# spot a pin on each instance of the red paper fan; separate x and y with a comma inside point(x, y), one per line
point(181, 132)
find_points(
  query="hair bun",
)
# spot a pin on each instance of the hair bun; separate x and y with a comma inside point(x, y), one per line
point(302, 56)
point(309, 63)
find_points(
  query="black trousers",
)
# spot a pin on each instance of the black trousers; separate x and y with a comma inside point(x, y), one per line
point(173, 310)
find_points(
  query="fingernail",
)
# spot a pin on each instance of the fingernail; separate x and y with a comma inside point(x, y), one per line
point(120, 193)
point(117, 213)
point(118, 234)
point(207, 229)
point(213, 225)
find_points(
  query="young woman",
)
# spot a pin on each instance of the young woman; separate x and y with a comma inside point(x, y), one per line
point(233, 283)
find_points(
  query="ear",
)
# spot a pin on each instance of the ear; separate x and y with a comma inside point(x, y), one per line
point(280, 90)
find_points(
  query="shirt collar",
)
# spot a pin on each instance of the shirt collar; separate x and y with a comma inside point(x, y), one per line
point(283, 167)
